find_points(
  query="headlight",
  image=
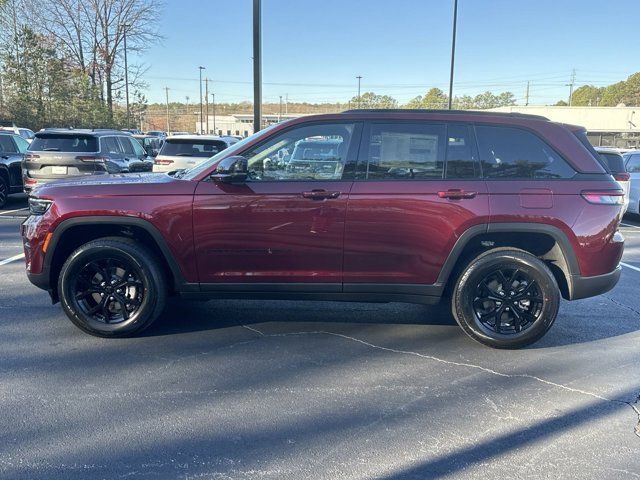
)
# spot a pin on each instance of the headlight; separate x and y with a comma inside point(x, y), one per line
point(38, 206)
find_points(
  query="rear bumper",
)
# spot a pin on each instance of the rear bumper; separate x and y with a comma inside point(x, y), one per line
point(585, 287)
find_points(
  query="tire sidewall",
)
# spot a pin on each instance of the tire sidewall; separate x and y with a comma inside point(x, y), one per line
point(464, 295)
point(95, 250)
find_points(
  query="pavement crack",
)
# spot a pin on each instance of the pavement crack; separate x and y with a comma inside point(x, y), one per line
point(633, 404)
point(622, 305)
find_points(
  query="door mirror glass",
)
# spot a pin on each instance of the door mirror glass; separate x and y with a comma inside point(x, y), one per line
point(231, 170)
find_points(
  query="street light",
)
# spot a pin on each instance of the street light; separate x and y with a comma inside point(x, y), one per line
point(126, 70)
point(359, 77)
point(213, 102)
point(453, 50)
point(200, 69)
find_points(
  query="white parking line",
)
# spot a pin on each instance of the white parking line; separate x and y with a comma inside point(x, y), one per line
point(7, 212)
point(11, 259)
point(630, 266)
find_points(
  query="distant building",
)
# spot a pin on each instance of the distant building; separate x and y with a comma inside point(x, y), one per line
point(240, 123)
point(606, 126)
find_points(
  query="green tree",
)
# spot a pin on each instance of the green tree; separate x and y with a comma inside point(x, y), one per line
point(371, 100)
point(587, 95)
point(434, 98)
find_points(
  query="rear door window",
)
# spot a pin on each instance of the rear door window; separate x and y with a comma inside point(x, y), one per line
point(7, 145)
point(406, 151)
point(22, 144)
point(64, 143)
point(127, 147)
point(507, 152)
point(111, 146)
point(192, 148)
point(461, 158)
point(633, 164)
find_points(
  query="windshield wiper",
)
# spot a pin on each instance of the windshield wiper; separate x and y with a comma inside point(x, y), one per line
point(51, 149)
point(183, 155)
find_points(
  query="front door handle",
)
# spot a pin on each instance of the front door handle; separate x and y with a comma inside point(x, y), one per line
point(320, 194)
point(456, 194)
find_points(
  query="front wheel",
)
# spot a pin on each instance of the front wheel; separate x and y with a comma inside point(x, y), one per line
point(506, 298)
point(112, 287)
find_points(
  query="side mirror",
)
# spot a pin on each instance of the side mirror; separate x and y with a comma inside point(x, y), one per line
point(231, 170)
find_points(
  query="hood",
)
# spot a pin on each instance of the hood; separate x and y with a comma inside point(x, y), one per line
point(118, 184)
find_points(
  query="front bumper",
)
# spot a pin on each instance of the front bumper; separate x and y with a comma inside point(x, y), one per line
point(585, 287)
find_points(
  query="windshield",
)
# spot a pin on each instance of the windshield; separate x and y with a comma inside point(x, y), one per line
point(198, 169)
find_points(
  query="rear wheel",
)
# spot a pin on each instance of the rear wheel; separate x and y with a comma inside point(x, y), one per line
point(4, 191)
point(506, 298)
point(112, 287)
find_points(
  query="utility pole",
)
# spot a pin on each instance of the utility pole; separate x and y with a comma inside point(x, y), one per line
point(166, 90)
point(257, 67)
point(206, 100)
point(571, 84)
point(200, 70)
point(526, 95)
point(126, 73)
point(213, 100)
point(359, 77)
point(280, 111)
point(286, 104)
point(453, 51)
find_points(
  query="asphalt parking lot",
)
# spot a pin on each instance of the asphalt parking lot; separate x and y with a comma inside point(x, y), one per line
point(292, 390)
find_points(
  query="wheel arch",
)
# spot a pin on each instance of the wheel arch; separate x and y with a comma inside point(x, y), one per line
point(546, 242)
point(73, 232)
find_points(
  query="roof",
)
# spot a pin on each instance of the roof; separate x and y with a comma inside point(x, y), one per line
point(83, 131)
point(197, 138)
point(448, 112)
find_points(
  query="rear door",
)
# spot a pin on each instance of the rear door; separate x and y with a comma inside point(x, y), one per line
point(417, 189)
point(114, 154)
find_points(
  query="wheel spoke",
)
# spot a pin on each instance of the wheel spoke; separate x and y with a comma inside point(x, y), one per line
point(123, 305)
point(86, 293)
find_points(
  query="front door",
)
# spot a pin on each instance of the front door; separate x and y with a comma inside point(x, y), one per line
point(282, 229)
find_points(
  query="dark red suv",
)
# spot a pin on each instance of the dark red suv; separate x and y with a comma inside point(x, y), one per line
point(501, 213)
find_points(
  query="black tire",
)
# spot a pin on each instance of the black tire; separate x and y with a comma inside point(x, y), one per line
point(4, 191)
point(506, 298)
point(118, 277)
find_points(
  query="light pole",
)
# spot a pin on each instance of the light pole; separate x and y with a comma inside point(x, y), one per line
point(166, 91)
point(206, 100)
point(200, 69)
point(213, 102)
point(257, 67)
point(280, 111)
point(453, 50)
point(126, 71)
point(359, 77)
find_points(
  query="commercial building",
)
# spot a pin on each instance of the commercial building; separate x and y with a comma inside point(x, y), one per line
point(239, 124)
point(606, 126)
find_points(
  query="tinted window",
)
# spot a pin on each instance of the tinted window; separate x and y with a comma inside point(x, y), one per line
point(613, 161)
point(192, 148)
point(127, 147)
point(22, 144)
point(508, 152)
point(64, 143)
point(633, 164)
point(313, 152)
point(462, 161)
point(137, 148)
point(7, 145)
point(406, 151)
point(111, 146)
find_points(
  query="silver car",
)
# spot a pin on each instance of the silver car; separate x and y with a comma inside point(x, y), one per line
point(187, 151)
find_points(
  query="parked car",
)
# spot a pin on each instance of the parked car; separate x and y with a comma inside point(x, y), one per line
point(632, 165)
point(187, 151)
point(614, 164)
point(62, 153)
point(150, 143)
point(12, 148)
point(132, 131)
point(25, 133)
point(500, 214)
point(157, 133)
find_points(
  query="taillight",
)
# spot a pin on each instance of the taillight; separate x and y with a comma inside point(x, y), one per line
point(91, 158)
point(30, 181)
point(604, 197)
point(622, 177)
point(31, 156)
point(162, 162)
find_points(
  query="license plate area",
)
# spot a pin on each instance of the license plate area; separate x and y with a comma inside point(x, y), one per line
point(59, 170)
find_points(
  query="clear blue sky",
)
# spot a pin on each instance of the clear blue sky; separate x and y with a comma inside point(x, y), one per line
point(312, 50)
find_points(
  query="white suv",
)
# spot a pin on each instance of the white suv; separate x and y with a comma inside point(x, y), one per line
point(187, 151)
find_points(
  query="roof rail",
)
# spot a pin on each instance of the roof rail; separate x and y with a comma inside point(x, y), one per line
point(447, 112)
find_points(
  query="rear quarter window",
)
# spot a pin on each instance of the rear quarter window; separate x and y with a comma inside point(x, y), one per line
point(508, 152)
point(64, 143)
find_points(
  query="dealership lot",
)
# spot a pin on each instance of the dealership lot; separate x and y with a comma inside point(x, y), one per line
point(248, 389)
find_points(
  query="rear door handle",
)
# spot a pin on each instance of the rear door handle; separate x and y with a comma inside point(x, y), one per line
point(320, 194)
point(456, 194)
